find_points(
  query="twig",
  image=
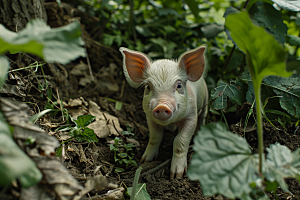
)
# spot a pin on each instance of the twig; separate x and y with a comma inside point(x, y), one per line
point(151, 171)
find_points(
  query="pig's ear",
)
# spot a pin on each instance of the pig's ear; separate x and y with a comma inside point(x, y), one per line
point(194, 63)
point(135, 63)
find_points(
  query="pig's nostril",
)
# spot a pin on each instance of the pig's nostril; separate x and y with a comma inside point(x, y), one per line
point(162, 112)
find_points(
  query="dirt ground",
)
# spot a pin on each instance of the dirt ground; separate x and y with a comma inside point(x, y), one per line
point(109, 83)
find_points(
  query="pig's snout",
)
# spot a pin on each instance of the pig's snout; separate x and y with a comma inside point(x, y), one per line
point(162, 112)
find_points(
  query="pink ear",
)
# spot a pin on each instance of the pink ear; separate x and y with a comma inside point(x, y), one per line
point(194, 63)
point(136, 63)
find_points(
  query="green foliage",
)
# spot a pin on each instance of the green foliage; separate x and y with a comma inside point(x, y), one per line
point(14, 163)
point(141, 192)
point(263, 60)
point(122, 159)
point(269, 18)
point(289, 91)
point(53, 45)
point(228, 167)
point(4, 66)
point(293, 5)
point(225, 159)
point(129, 131)
point(138, 191)
point(80, 132)
point(279, 94)
point(235, 92)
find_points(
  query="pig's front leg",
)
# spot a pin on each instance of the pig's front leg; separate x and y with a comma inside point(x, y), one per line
point(155, 137)
point(181, 146)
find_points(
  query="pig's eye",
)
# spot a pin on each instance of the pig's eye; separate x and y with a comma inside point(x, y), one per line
point(147, 89)
point(179, 87)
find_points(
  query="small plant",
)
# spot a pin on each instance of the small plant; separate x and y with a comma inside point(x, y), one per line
point(138, 191)
point(80, 132)
point(122, 159)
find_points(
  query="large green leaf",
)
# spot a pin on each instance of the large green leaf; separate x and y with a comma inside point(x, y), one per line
point(222, 162)
point(235, 92)
point(230, 10)
point(4, 65)
point(293, 5)
point(53, 45)
point(270, 18)
point(289, 91)
point(263, 59)
point(281, 163)
point(14, 163)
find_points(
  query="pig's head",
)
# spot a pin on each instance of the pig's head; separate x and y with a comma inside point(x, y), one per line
point(166, 99)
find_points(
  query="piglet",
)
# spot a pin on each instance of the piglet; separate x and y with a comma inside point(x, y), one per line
point(175, 93)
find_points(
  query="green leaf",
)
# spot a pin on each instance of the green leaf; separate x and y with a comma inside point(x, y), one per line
point(167, 11)
point(64, 128)
point(84, 120)
point(119, 169)
point(263, 59)
point(122, 155)
point(118, 105)
point(167, 46)
point(228, 11)
point(211, 30)
point(144, 31)
point(222, 162)
point(289, 91)
point(4, 66)
point(250, 3)
point(133, 162)
point(293, 5)
point(141, 192)
point(271, 186)
point(14, 163)
point(266, 90)
point(293, 65)
point(108, 39)
point(53, 45)
point(236, 93)
point(35, 117)
point(129, 146)
point(292, 40)
point(270, 18)
point(281, 163)
point(86, 134)
point(193, 5)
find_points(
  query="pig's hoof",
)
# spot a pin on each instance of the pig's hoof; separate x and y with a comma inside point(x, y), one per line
point(178, 168)
point(176, 175)
point(150, 154)
point(146, 159)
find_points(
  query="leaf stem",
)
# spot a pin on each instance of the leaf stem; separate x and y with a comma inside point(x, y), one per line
point(259, 125)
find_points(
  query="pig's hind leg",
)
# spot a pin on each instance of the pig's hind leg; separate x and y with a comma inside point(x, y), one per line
point(201, 118)
point(155, 137)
